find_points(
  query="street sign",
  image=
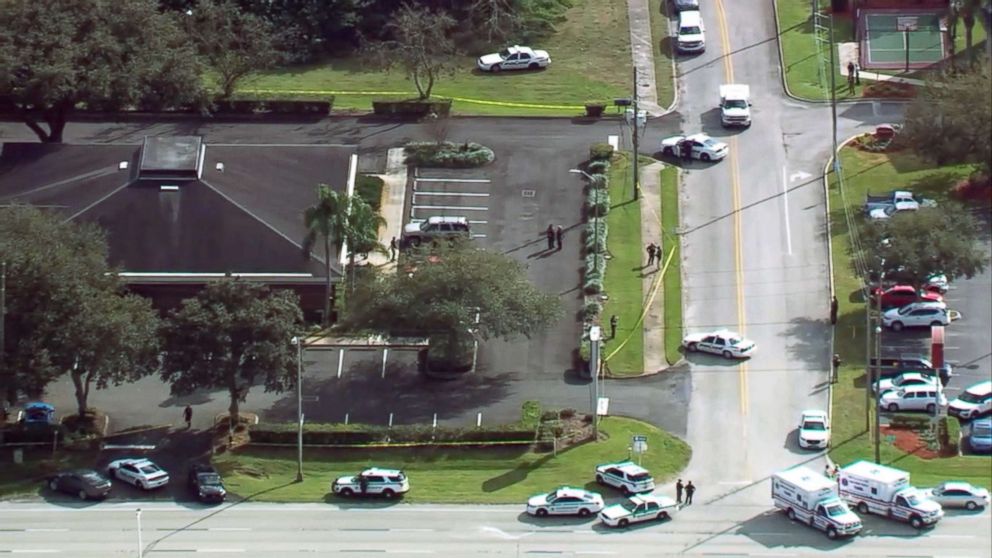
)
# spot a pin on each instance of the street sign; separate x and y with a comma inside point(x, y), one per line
point(907, 23)
point(603, 406)
point(640, 444)
point(639, 438)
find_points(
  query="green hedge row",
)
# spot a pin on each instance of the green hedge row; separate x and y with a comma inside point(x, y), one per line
point(364, 434)
point(447, 154)
point(411, 107)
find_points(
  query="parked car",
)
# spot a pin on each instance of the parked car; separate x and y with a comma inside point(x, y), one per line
point(906, 379)
point(978, 435)
point(976, 401)
point(626, 476)
point(646, 507)
point(38, 413)
point(206, 484)
point(955, 494)
point(814, 429)
point(913, 398)
point(723, 342)
point(703, 147)
point(565, 501)
point(140, 472)
point(917, 314)
point(387, 483)
point(83, 483)
point(514, 58)
point(682, 5)
point(901, 295)
point(690, 36)
point(435, 228)
point(937, 283)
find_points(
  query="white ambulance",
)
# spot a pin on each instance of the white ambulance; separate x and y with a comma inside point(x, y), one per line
point(886, 491)
point(812, 498)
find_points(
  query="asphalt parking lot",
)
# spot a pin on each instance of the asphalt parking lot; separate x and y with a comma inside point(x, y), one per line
point(452, 193)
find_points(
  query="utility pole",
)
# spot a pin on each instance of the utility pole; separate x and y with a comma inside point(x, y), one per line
point(3, 316)
point(298, 341)
point(636, 115)
point(833, 86)
point(878, 361)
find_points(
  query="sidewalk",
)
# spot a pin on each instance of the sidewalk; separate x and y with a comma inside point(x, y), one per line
point(654, 317)
point(642, 49)
point(393, 201)
point(848, 52)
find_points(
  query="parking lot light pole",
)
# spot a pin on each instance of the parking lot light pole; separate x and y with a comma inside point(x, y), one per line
point(595, 335)
point(138, 515)
point(299, 408)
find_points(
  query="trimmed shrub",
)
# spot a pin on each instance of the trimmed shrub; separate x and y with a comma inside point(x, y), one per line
point(595, 264)
point(597, 203)
point(601, 166)
point(589, 230)
point(595, 109)
point(448, 154)
point(910, 421)
point(369, 188)
point(585, 350)
point(596, 244)
point(600, 151)
point(591, 311)
point(593, 285)
point(530, 414)
point(361, 434)
point(412, 107)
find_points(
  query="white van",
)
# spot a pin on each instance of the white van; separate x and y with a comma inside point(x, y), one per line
point(974, 402)
point(691, 36)
point(811, 498)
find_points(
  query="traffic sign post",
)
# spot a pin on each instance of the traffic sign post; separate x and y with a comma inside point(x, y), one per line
point(639, 444)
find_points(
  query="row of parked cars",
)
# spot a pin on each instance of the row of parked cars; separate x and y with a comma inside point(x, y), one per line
point(88, 484)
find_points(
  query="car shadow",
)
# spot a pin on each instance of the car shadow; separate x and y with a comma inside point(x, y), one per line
point(370, 502)
point(553, 521)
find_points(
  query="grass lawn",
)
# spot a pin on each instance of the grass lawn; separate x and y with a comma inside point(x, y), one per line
point(26, 478)
point(800, 56)
point(672, 282)
point(591, 61)
point(452, 475)
point(879, 171)
point(663, 67)
point(623, 282)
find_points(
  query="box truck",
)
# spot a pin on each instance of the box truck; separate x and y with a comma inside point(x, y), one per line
point(812, 498)
point(873, 488)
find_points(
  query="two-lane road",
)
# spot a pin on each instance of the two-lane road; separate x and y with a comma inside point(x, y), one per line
point(271, 530)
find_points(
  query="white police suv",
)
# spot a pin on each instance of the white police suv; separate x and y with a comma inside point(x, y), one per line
point(625, 476)
point(372, 481)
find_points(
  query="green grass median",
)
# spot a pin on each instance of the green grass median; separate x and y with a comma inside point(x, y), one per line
point(591, 61)
point(672, 283)
point(497, 475)
point(851, 441)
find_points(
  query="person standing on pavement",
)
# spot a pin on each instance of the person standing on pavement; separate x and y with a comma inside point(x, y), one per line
point(559, 235)
point(392, 250)
point(833, 310)
point(614, 320)
point(188, 416)
point(857, 74)
point(836, 362)
point(550, 233)
point(678, 492)
point(689, 491)
point(651, 253)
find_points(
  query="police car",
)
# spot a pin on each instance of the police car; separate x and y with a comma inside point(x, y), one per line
point(625, 476)
point(646, 507)
point(372, 481)
point(565, 501)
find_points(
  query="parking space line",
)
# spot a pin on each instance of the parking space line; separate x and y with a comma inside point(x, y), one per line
point(460, 194)
point(478, 236)
point(451, 207)
point(469, 180)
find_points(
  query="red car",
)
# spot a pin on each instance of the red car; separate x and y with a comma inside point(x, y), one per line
point(901, 295)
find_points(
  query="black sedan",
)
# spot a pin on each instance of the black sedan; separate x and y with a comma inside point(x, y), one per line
point(84, 483)
point(205, 483)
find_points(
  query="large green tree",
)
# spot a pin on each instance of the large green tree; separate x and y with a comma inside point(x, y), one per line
point(420, 44)
point(327, 222)
point(58, 54)
point(66, 312)
point(911, 246)
point(950, 121)
point(447, 291)
point(233, 42)
point(231, 336)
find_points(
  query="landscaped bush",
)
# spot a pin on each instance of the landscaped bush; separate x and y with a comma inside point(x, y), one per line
point(595, 264)
point(595, 109)
point(369, 188)
point(591, 310)
point(595, 244)
point(243, 105)
point(592, 285)
point(361, 434)
point(914, 422)
point(412, 107)
point(600, 151)
point(597, 203)
point(599, 167)
point(448, 154)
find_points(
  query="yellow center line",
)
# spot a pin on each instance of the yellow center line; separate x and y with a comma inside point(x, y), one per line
point(728, 71)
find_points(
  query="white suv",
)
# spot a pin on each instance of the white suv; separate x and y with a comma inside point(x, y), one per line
point(626, 476)
point(383, 482)
point(435, 228)
point(973, 402)
point(913, 398)
point(691, 35)
point(917, 314)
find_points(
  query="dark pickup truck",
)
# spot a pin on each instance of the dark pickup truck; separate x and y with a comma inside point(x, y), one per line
point(893, 366)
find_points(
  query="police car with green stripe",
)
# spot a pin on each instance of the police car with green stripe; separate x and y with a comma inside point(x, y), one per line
point(372, 481)
point(626, 476)
point(565, 501)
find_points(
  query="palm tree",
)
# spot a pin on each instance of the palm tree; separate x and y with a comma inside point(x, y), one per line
point(953, 15)
point(362, 233)
point(969, 8)
point(327, 220)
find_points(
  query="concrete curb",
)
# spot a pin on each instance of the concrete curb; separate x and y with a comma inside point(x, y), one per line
point(785, 82)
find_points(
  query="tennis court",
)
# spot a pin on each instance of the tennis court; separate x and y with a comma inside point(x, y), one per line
point(889, 37)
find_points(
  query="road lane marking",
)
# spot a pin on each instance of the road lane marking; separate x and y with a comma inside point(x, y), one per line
point(450, 207)
point(473, 180)
point(785, 210)
point(44, 530)
point(461, 194)
point(219, 550)
point(413, 530)
point(229, 529)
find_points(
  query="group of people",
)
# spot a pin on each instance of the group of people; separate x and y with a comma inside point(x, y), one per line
point(688, 489)
point(830, 472)
point(555, 236)
point(654, 255)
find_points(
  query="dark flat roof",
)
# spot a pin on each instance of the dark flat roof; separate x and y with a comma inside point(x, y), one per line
point(247, 218)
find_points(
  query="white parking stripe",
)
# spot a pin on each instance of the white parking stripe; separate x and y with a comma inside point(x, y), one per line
point(458, 194)
point(471, 180)
point(451, 207)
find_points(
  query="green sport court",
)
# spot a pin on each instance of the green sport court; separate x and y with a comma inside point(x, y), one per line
point(887, 35)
